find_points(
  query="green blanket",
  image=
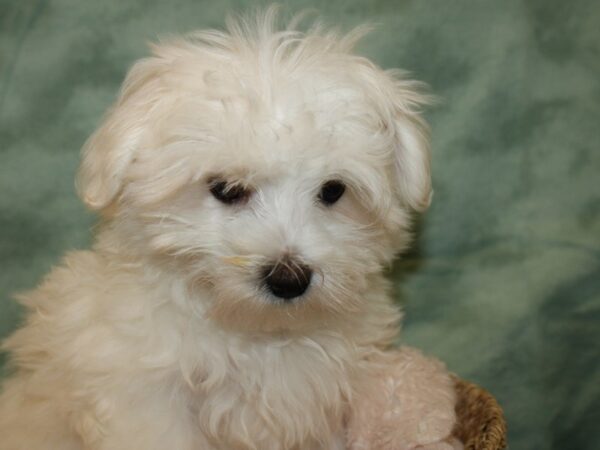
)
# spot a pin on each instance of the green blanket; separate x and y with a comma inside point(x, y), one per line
point(503, 282)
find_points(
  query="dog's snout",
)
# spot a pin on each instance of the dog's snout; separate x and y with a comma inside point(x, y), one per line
point(287, 279)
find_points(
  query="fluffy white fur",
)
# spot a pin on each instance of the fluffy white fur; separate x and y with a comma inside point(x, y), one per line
point(161, 336)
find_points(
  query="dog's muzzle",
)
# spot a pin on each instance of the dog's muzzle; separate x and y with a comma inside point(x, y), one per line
point(287, 279)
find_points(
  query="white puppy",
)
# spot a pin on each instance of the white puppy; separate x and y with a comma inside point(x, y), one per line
point(252, 185)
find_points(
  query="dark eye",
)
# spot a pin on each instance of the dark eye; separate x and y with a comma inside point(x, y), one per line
point(331, 192)
point(228, 193)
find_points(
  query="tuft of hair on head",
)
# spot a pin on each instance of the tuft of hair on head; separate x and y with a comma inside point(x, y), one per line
point(257, 40)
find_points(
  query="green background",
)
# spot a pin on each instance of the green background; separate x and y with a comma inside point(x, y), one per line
point(503, 282)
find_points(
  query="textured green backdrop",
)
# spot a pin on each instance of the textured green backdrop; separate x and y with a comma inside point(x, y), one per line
point(504, 281)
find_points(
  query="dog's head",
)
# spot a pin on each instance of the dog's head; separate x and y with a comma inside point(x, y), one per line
point(275, 168)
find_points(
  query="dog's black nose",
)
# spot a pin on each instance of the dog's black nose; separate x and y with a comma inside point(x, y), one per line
point(287, 279)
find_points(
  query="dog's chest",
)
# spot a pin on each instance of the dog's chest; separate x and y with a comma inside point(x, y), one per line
point(287, 394)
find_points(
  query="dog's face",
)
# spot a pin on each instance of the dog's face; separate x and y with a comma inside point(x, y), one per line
point(276, 171)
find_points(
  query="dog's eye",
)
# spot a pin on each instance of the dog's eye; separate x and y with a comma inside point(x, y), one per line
point(229, 193)
point(331, 192)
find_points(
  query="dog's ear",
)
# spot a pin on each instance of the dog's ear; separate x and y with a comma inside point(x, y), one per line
point(111, 148)
point(412, 158)
point(410, 140)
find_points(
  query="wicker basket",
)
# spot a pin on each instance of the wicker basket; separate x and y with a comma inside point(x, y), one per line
point(480, 421)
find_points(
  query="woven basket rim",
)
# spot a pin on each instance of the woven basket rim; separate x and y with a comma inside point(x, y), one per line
point(480, 419)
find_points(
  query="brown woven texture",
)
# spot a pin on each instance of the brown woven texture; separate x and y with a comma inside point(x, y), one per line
point(480, 421)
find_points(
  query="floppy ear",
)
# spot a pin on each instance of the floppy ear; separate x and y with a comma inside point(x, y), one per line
point(412, 156)
point(110, 149)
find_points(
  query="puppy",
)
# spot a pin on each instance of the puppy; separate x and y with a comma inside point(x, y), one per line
point(252, 184)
